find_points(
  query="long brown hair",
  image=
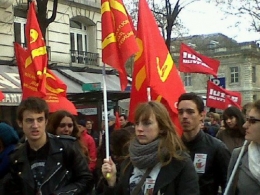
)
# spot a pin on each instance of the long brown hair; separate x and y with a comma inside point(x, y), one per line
point(169, 138)
point(54, 121)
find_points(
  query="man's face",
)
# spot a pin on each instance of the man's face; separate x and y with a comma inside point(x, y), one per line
point(33, 125)
point(122, 121)
point(89, 125)
point(189, 116)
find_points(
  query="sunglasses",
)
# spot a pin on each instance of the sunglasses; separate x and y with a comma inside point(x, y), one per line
point(252, 120)
point(62, 125)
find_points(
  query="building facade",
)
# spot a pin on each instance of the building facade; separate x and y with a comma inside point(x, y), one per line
point(239, 64)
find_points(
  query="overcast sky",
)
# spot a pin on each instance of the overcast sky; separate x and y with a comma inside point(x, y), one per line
point(203, 18)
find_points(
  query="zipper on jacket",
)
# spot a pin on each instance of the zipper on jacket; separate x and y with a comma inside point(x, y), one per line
point(39, 190)
point(67, 192)
point(61, 179)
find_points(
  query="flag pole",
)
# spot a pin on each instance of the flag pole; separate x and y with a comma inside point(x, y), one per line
point(235, 168)
point(148, 94)
point(105, 110)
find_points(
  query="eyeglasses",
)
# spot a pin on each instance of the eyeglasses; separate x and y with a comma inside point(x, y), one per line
point(252, 120)
point(62, 125)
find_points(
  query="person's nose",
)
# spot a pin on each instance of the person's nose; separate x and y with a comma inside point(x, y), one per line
point(35, 123)
point(246, 125)
point(139, 128)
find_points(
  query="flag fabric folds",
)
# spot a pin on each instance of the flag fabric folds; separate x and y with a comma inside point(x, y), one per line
point(2, 96)
point(55, 88)
point(194, 62)
point(218, 97)
point(36, 47)
point(154, 67)
point(118, 39)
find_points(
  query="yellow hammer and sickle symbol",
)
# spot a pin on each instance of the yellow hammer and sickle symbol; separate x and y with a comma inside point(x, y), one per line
point(166, 67)
point(34, 35)
point(111, 38)
point(141, 75)
point(53, 90)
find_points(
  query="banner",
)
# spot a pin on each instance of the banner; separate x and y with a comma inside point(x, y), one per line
point(218, 97)
point(118, 39)
point(193, 62)
point(36, 48)
point(55, 88)
point(154, 68)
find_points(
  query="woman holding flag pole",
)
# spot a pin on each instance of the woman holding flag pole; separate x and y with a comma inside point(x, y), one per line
point(158, 162)
point(244, 169)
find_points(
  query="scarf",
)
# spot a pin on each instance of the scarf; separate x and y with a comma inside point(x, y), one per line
point(144, 156)
point(254, 159)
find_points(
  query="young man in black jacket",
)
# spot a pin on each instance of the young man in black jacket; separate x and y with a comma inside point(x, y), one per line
point(45, 164)
point(210, 156)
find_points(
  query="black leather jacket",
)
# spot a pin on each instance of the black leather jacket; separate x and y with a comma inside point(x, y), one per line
point(66, 170)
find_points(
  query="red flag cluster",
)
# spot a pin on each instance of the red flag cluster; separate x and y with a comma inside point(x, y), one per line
point(118, 39)
point(36, 79)
point(193, 62)
point(218, 97)
point(154, 67)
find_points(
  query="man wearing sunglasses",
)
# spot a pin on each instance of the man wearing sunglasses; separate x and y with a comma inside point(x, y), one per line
point(45, 164)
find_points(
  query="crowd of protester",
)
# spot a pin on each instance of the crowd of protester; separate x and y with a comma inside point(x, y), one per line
point(59, 153)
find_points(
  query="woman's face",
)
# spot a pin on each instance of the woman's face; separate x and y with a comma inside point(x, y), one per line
point(231, 122)
point(65, 127)
point(252, 126)
point(146, 131)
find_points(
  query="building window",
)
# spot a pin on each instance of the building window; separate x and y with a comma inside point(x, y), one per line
point(234, 75)
point(253, 74)
point(187, 79)
point(19, 30)
point(78, 41)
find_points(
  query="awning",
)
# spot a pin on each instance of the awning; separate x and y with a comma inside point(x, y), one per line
point(10, 85)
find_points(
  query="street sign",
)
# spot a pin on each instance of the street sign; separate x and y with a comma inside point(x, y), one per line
point(91, 87)
point(220, 81)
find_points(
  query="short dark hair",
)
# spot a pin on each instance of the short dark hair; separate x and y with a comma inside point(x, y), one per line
point(193, 97)
point(123, 115)
point(34, 104)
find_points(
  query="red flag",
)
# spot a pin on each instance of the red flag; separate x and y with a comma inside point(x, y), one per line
point(2, 96)
point(154, 67)
point(36, 47)
point(218, 97)
point(56, 89)
point(118, 39)
point(117, 122)
point(192, 61)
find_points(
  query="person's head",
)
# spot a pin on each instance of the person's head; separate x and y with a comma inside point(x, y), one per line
point(214, 118)
point(190, 111)
point(252, 124)
point(246, 108)
point(233, 119)
point(152, 121)
point(89, 124)
point(119, 142)
point(32, 117)
point(81, 125)
point(63, 122)
point(123, 119)
point(8, 136)
point(111, 120)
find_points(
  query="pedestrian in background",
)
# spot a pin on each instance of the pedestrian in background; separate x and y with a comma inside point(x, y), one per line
point(234, 134)
point(247, 175)
point(157, 163)
point(209, 155)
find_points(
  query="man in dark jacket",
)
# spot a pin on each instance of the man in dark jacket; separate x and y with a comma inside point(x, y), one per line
point(210, 156)
point(45, 164)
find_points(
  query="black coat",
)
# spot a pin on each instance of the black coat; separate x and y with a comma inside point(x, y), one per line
point(66, 170)
point(176, 178)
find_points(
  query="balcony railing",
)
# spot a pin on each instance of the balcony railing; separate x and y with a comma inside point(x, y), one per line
point(82, 57)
